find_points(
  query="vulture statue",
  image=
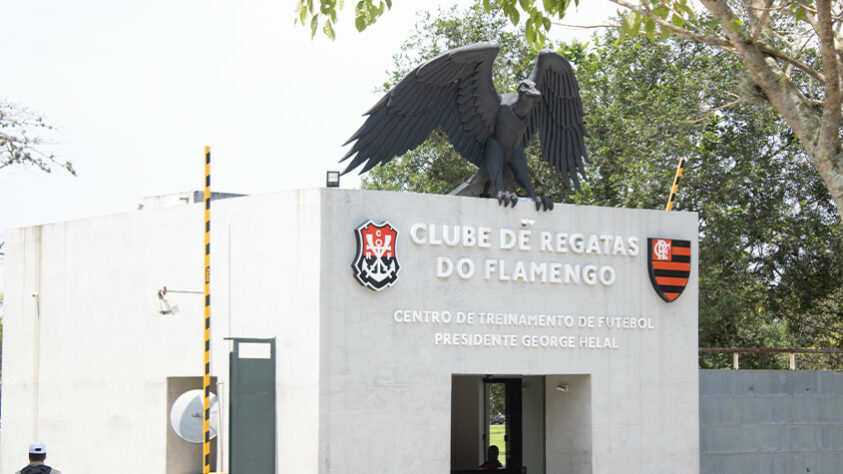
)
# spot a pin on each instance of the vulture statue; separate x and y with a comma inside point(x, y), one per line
point(454, 92)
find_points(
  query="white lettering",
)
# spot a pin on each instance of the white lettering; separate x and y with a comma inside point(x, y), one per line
point(469, 239)
point(433, 239)
point(589, 274)
point(465, 268)
point(483, 237)
point(508, 239)
point(607, 275)
point(572, 273)
point(490, 267)
point(524, 239)
point(538, 270)
point(593, 245)
point(545, 241)
point(607, 242)
point(577, 242)
point(417, 234)
point(562, 243)
point(619, 248)
point(519, 273)
point(632, 243)
point(502, 273)
point(451, 239)
point(444, 267)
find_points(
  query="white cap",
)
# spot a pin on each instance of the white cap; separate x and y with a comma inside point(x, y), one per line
point(37, 448)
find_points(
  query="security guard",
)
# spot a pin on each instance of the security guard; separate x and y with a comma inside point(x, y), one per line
point(37, 455)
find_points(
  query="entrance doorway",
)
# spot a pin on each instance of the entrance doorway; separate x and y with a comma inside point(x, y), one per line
point(489, 410)
point(540, 423)
point(503, 420)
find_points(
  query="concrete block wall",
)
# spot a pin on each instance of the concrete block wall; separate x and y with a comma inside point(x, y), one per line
point(771, 422)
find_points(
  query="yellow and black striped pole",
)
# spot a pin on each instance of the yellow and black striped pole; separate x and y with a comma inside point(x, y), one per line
point(206, 378)
point(675, 184)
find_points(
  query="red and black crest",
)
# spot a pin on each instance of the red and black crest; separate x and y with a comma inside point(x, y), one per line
point(669, 263)
point(376, 263)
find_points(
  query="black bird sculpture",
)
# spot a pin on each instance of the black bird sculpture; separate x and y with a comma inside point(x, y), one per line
point(454, 91)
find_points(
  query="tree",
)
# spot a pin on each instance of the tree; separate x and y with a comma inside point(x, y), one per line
point(21, 142)
point(792, 51)
point(771, 241)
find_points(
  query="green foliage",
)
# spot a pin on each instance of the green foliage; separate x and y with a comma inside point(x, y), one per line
point(21, 140)
point(497, 437)
point(658, 18)
point(497, 398)
point(537, 17)
point(771, 241)
point(366, 13)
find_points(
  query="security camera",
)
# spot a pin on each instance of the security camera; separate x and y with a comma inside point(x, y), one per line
point(562, 388)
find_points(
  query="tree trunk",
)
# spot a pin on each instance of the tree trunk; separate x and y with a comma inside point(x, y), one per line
point(809, 126)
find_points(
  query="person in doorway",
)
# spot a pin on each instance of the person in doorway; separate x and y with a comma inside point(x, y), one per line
point(492, 459)
point(37, 455)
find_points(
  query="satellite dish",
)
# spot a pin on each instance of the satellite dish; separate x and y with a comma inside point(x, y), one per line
point(186, 416)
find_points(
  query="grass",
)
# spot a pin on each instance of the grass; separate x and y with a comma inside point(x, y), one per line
point(496, 437)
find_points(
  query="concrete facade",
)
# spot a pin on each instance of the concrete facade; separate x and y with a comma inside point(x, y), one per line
point(364, 378)
point(771, 422)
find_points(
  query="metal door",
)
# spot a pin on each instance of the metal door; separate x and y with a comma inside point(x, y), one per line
point(252, 407)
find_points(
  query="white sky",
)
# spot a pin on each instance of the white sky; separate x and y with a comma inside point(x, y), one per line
point(138, 88)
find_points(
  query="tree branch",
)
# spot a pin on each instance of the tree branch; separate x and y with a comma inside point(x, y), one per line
point(715, 109)
point(807, 69)
point(565, 25)
point(762, 21)
point(718, 42)
point(828, 142)
point(682, 32)
point(793, 106)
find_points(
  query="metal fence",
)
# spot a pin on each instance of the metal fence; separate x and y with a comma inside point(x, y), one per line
point(791, 353)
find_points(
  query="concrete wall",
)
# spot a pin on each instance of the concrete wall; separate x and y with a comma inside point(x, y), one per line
point(533, 424)
point(376, 371)
point(358, 391)
point(85, 364)
point(467, 420)
point(771, 422)
point(569, 420)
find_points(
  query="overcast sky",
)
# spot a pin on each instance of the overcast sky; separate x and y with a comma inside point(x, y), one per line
point(136, 89)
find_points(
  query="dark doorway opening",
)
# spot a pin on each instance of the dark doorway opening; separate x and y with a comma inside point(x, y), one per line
point(504, 395)
point(486, 410)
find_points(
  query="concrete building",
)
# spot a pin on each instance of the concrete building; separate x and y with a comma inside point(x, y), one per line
point(384, 318)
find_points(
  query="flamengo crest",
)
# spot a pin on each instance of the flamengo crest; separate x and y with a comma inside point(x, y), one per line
point(375, 263)
point(669, 265)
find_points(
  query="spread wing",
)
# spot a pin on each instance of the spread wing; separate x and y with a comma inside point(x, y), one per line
point(558, 116)
point(453, 90)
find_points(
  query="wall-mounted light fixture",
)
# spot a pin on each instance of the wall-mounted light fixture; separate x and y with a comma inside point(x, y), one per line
point(164, 306)
point(332, 179)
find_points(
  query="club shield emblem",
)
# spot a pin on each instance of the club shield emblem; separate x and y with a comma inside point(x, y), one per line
point(669, 263)
point(376, 263)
